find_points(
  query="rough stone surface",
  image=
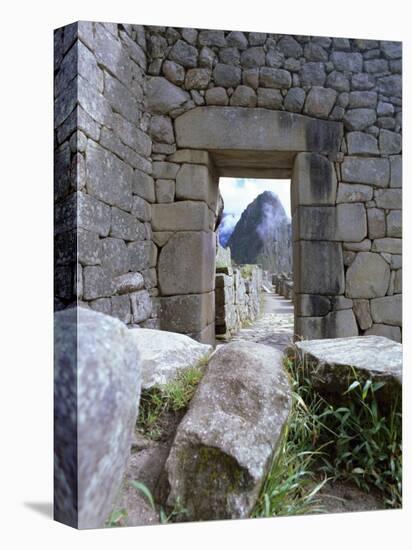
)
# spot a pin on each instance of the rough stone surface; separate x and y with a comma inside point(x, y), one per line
point(320, 101)
point(163, 355)
point(162, 96)
point(225, 443)
point(180, 216)
point(387, 310)
point(326, 275)
point(372, 171)
point(367, 276)
point(97, 389)
point(314, 181)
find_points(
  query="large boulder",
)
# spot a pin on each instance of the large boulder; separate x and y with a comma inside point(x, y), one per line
point(333, 362)
point(96, 396)
point(164, 354)
point(225, 443)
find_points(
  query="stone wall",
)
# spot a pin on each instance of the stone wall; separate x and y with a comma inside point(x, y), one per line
point(161, 114)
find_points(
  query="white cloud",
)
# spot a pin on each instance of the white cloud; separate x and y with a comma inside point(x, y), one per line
point(238, 193)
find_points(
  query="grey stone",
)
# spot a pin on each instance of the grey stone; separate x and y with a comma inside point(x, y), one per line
point(143, 186)
point(341, 44)
point(225, 127)
point(373, 171)
point(396, 261)
point(363, 99)
point(142, 255)
point(253, 57)
point(125, 226)
point(362, 246)
point(141, 209)
point(390, 142)
point(274, 78)
point(187, 313)
point(274, 58)
point(193, 182)
point(320, 101)
point(290, 47)
point(385, 109)
point(315, 52)
point(390, 85)
point(164, 355)
point(197, 79)
point(268, 98)
point(97, 373)
point(387, 310)
point(176, 260)
point(227, 75)
point(231, 56)
point(388, 198)
point(360, 143)
point(335, 324)
point(394, 223)
point(367, 276)
point(216, 96)
point(396, 171)
point(92, 214)
point(257, 38)
point(362, 81)
point(166, 170)
point(312, 74)
point(391, 49)
point(102, 305)
point(102, 168)
point(326, 276)
point(245, 394)
point(184, 54)
point(376, 66)
point(351, 222)
point(371, 357)
point(180, 216)
point(314, 181)
point(161, 129)
point(294, 100)
point(120, 308)
point(93, 103)
point(110, 141)
point(129, 282)
point(173, 72)
point(96, 282)
point(348, 257)
point(376, 223)
point(361, 309)
point(237, 39)
point(312, 305)
point(345, 61)
point(398, 282)
point(115, 258)
point(190, 35)
point(141, 305)
point(162, 96)
point(207, 58)
point(121, 99)
point(388, 244)
point(243, 96)
point(250, 77)
point(359, 119)
point(212, 38)
point(165, 191)
point(387, 331)
point(354, 193)
point(338, 82)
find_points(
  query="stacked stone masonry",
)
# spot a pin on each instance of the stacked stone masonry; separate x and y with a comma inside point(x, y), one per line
point(148, 118)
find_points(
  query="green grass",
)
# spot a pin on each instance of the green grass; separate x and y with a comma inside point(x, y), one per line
point(172, 397)
point(353, 441)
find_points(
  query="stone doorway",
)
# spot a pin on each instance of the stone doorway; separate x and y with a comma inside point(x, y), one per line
point(239, 142)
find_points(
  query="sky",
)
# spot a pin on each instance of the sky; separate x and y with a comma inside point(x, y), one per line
point(237, 193)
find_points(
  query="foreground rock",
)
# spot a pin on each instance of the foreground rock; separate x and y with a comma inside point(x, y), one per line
point(332, 362)
point(97, 388)
point(224, 445)
point(164, 354)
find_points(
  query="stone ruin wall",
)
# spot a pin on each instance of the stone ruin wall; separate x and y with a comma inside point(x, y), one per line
point(146, 210)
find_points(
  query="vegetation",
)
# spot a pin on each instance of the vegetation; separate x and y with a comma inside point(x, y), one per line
point(355, 441)
point(156, 403)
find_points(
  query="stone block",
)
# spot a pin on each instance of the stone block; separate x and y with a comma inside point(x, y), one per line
point(244, 96)
point(362, 99)
point(173, 72)
point(216, 96)
point(360, 143)
point(161, 129)
point(96, 282)
point(88, 247)
point(187, 263)
point(362, 246)
point(361, 309)
point(102, 305)
point(376, 223)
point(312, 74)
point(314, 223)
point(269, 99)
point(162, 96)
point(194, 182)
point(197, 79)
point(295, 99)
point(390, 143)
point(102, 169)
point(367, 276)
point(320, 101)
point(141, 306)
point(394, 223)
point(396, 171)
point(142, 255)
point(347, 61)
point(115, 257)
point(187, 314)
point(354, 192)
point(326, 274)
point(190, 156)
point(253, 57)
point(274, 78)
point(227, 76)
point(143, 186)
point(359, 119)
point(373, 171)
point(387, 310)
point(388, 244)
point(165, 191)
point(184, 54)
point(311, 305)
point(120, 99)
point(180, 216)
point(129, 282)
point(336, 324)
point(92, 214)
point(313, 181)
point(388, 331)
point(125, 226)
point(388, 198)
point(141, 209)
point(165, 170)
point(350, 222)
point(120, 308)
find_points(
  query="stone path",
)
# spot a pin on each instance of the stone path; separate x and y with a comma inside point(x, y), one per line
point(274, 326)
